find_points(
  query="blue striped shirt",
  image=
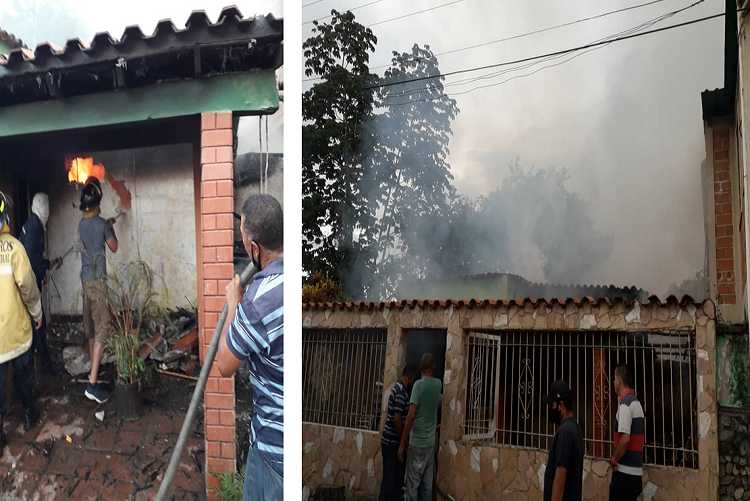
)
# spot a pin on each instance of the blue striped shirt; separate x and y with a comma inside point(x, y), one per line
point(398, 403)
point(257, 335)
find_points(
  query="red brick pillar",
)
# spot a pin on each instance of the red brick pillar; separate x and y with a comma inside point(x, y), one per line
point(217, 206)
point(723, 210)
point(601, 398)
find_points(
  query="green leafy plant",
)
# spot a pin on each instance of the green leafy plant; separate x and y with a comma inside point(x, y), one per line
point(322, 289)
point(739, 382)
point(132, 297)
point(231, 485)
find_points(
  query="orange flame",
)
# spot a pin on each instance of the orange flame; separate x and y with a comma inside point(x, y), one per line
point(80, 169)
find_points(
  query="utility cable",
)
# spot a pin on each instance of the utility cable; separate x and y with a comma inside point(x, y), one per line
point(532, 58)
point(522, 35)
point(536, 32)
point(466, 81)
point(592, 48)
point(413, 13)
point(347, 10)
point(311, 3)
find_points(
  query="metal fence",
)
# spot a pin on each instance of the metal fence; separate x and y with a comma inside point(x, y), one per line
point(510, 371)
point(342, 376)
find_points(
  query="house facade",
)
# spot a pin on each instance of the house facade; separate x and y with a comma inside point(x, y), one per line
point(496, 359)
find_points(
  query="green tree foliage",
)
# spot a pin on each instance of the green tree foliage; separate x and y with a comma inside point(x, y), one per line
point(321, 289)
point(373, 157)
point(407, 172)
point(334, 112)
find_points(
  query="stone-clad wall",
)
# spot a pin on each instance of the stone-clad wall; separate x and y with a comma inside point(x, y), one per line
point(340, 456)
point(469, 471)
point(734, 454)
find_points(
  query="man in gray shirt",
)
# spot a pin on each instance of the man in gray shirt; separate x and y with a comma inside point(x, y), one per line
point(95, 233)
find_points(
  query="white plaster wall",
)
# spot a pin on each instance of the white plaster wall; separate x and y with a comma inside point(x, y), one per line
point(159, 228)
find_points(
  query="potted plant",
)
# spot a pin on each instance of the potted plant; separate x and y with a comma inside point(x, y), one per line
point(131, 296)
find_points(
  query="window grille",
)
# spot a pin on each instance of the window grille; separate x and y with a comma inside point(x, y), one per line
point(510, 371)
point(342, 377)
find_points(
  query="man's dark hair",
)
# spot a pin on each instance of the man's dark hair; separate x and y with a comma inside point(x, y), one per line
point(264, 221)
point(623, 372)
point(427, 363)
point(409, 370)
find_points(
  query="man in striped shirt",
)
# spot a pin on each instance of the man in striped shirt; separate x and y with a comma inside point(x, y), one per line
point(392, 486)
point(254, 332)
point(630, 432)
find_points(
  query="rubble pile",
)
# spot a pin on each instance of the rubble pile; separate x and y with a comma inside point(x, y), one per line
point(171, 342)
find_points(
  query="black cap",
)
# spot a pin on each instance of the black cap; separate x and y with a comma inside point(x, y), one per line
point(558, 390)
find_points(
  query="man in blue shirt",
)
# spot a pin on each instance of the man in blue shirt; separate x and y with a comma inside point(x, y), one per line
point(392, 486)
point(254, 332)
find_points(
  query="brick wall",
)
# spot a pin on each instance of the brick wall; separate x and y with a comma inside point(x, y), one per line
point(723, 212)
point(217, 203)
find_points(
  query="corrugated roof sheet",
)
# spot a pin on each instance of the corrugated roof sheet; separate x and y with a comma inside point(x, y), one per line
point(10, 40)
point(232, 43)
point(426, 303)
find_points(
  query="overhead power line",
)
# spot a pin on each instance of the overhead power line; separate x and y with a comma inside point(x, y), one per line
point(347, 10)
point(312, 3)
point(635, 29)
point(556, 53)
point(522, 35)
point(592, 48)
point(413, 13)
point(536, 32)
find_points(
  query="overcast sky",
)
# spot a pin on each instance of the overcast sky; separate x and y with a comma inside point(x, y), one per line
point(35, 21)
point(625, 120)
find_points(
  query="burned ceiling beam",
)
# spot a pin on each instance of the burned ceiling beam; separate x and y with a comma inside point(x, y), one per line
point(53, 86)
point(197, 67)
point(120, 73)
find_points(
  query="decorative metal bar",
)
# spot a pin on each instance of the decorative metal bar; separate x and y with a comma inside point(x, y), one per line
point(502, 393)
point(343, 376)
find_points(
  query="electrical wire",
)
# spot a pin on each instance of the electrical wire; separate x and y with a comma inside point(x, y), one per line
point(311, 3)
point(590, 48)
point(347, 10)
point(635, 29)
point(522, 35)
point(413, 13)
point(532, 58)
point(536, 32)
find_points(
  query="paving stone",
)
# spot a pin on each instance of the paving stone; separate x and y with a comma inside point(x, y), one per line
point(116, 491)
point(125, 468)
point(50, 488)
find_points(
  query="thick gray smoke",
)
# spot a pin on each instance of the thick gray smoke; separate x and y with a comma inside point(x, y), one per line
point(624, 121)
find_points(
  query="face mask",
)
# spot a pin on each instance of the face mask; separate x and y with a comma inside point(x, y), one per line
point(256, 263)
point(554, 415)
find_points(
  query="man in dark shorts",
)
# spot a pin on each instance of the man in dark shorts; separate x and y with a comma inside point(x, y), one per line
point(392, 486)
point(96, 234)
point(563, 476)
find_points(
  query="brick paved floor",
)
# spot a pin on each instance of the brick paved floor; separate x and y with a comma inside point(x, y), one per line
point(109, 460)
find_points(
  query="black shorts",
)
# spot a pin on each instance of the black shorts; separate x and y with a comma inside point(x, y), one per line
point(625, 487)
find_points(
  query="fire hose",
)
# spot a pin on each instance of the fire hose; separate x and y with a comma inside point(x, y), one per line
point(198, 393)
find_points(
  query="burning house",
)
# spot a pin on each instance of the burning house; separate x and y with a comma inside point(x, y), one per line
point(166, 122)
